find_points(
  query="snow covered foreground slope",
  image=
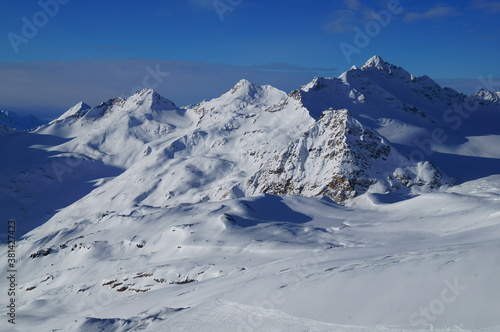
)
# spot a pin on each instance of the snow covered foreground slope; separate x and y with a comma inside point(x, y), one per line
point(270, 263)
point(155, 221)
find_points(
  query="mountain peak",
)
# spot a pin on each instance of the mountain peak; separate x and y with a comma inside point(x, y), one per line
point(243, 81)
point(15, 121)
point(83, 105)
point(377, 62)
point(77, 110)
point(151, 98)
point(244, 89)
point(245, 95)
point(486, 95)
point(244, 85)
point(145, 94)
point(79, 107)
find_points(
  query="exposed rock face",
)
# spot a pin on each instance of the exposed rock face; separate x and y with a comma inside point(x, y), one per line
point(485, 96)
point(341, 158)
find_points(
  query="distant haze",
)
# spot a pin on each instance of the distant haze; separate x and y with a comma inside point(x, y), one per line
point(47, 89)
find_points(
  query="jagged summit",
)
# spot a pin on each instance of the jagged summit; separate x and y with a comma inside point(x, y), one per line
point(145, 98)
point(14, 121)
point(142, 117)
point(81, 105)
point(104, 108)
point(149, 98)
point(244, 88)
point(377, 62)
point(146, 91)
point(488, 96)
point(317, 83)
point(76, 111)
point(380, 90)
point(342, 158)
point(243, 83)
point(244, 95)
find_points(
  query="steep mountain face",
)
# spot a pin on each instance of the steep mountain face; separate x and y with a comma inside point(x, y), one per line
point(403, 108)
point(75, 112)
point(340, 158)
point(15, 121)
point(419, 91)
point(486, 96)
point(380, 89)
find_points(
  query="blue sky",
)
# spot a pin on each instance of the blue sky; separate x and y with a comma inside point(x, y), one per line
point(55, 53)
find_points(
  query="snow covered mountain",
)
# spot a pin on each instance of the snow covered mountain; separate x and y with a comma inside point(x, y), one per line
point(407, 110)
point(15, 121)
point(340, 158)
point(488, 96)
point(136, 214)
point(75, 112)
point(141, 118)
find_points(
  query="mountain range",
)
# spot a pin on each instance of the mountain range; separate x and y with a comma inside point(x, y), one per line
point(347, 204)
point(13, 121)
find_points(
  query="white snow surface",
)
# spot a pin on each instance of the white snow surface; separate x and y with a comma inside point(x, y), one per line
point(138, 215)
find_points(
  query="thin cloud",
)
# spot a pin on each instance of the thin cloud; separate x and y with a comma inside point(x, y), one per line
point(285, 67)
point(352, 4)
point(345, 20)
point(47, 89)
point(492, 7)
point(433, 13)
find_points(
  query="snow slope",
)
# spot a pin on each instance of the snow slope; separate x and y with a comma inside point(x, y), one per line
point(270, 263)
